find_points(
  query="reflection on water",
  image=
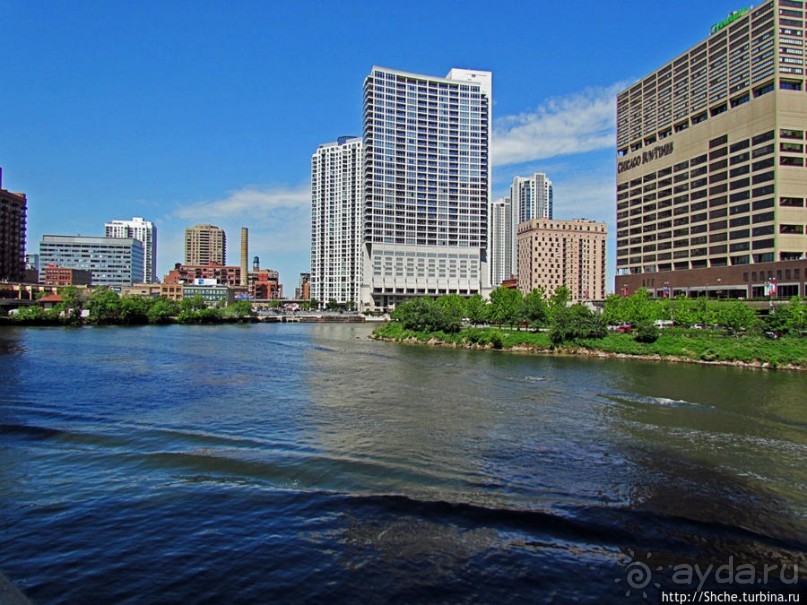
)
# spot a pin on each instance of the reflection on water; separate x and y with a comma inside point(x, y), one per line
point(308, 460)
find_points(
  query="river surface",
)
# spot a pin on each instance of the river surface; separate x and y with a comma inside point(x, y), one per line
point(309, 464)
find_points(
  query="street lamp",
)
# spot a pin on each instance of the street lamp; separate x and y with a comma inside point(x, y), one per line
point(719, 291)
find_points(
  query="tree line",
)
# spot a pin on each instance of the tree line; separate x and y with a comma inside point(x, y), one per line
point(565, 322)
point(104, 306)
point(506, 307)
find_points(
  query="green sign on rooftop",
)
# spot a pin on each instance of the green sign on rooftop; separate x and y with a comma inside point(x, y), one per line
point(733, 16)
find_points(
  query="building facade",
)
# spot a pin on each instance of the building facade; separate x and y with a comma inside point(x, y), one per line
point(13, 215)
point(426, 185)
point(711, 175)
point(113, 262)
point(532, 197)
point(213, 295)
point(503, 259)
point(205, 244)
point(63, 276)
point(142, 230)
point(172, 291)
point(264, 284)
point(554, 253)
point(303, 291)
point(261, 284)
point(337, 221)
point(221, 274)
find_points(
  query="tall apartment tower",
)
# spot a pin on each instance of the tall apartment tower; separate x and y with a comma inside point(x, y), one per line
point(205, 244)
point(141, 230)
point(13, 215)
point(503, 260)
point(555, 253)
point(532, 197)
point(337, 221)
point(711, 175)
point(426, 184)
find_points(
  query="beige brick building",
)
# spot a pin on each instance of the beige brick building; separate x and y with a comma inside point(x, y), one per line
point(710, 162)
point(553, 253)
point(205, 244)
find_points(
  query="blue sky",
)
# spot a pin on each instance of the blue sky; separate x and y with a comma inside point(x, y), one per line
point(188, 112)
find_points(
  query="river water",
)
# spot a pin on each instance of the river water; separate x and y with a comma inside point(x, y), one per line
point(307, 463)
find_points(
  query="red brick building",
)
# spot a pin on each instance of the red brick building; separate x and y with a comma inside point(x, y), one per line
point(65, 276)
point(186, 274)
point(263, 284)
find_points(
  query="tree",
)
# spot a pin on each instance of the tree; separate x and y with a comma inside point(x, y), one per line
point(71, 297)
point(193, 303)
point(134, 309)
point(452, 304)
point(240, 309)
point(506, 306)
point(34, 314)
point(572, 323)
point(560, 298)
point(736, 316)
point(636, 308)
point(162, 310)
point(797, 315)
point(426, 315)
point(476, 309)
point(104, 306)
point(536, 309)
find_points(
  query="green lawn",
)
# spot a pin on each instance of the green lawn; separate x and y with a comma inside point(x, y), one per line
point(701, 345)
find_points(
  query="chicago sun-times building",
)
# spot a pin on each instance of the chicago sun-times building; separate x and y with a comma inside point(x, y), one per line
point(711, 163)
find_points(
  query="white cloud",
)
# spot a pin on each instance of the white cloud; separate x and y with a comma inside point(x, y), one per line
point(278, 219)
point(578, 123)
point(249, 203)
point(585, 197)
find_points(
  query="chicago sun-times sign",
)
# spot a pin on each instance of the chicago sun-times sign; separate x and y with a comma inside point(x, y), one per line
point(650, 155)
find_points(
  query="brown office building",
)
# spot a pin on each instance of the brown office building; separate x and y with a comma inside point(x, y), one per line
point(13, 207)
point(711, 175)
point(553, 253)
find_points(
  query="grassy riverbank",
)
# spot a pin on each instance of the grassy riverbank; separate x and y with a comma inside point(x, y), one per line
point(673, 344)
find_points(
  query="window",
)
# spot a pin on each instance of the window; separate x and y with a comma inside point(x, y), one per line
point(787, 133)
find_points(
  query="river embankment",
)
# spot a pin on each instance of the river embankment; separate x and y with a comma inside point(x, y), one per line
point(674, 345)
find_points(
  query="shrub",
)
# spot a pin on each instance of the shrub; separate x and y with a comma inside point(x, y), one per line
point(647, 331)
point(575, 322)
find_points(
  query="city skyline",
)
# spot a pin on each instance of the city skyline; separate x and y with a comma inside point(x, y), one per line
point(163, 116)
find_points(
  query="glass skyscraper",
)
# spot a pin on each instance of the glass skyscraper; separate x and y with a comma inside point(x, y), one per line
point(426, 184)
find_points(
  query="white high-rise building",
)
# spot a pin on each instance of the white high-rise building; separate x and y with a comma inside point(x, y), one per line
point(426, 184)
point(532, 197)
point(141, 230)
point(337, 213)
point(503, 260)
